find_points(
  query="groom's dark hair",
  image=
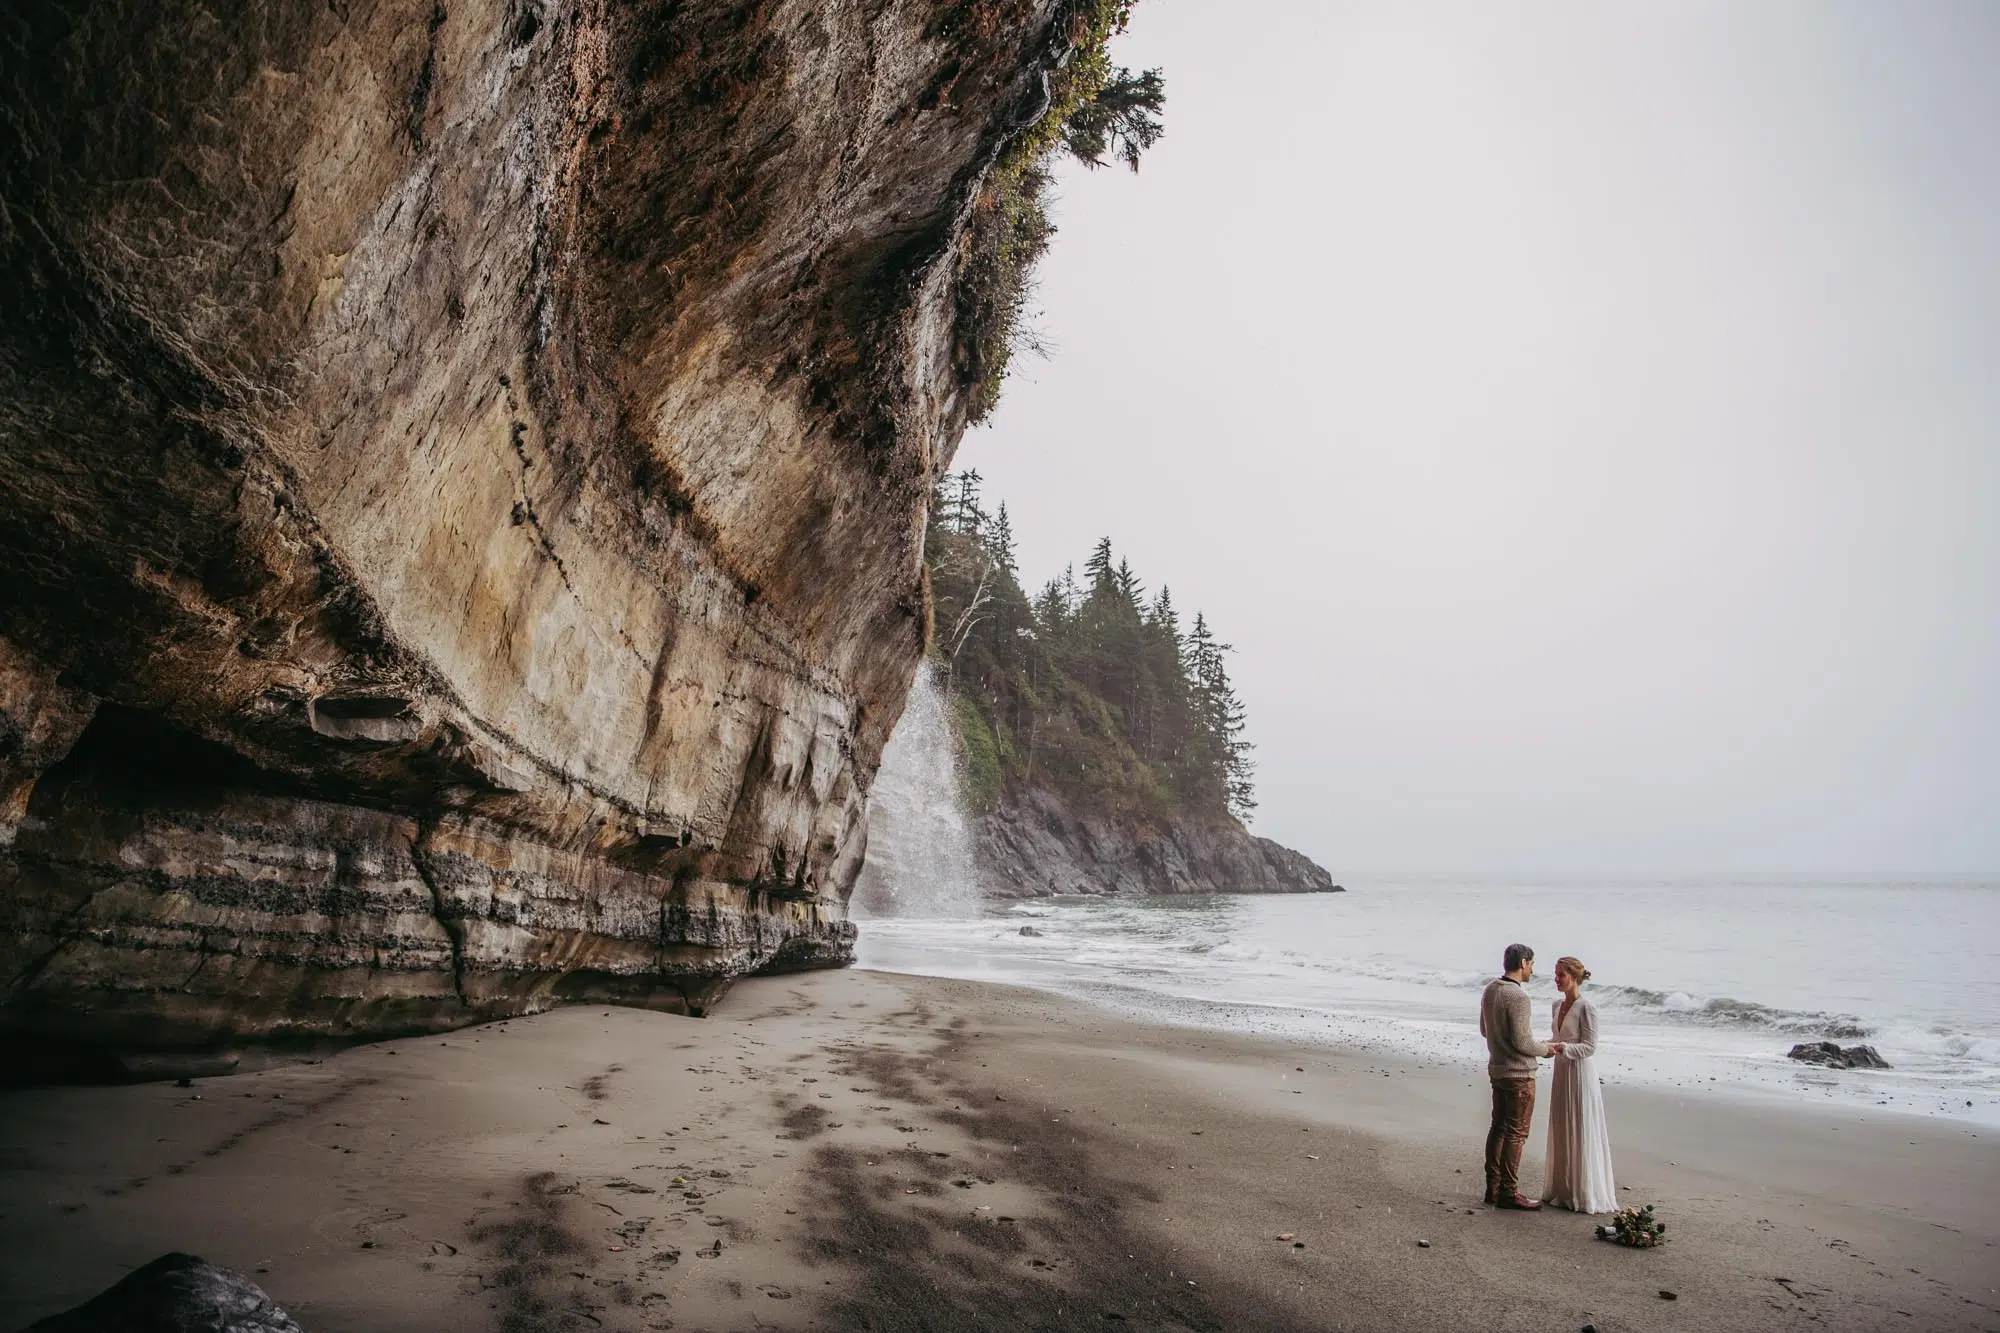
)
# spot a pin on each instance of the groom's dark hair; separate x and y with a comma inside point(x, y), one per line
point(1517, 954)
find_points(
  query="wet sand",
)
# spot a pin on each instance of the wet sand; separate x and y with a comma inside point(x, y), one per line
point(862, 1151)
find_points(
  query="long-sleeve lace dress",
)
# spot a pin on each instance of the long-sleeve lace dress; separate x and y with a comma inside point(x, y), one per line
point(1579, 1166)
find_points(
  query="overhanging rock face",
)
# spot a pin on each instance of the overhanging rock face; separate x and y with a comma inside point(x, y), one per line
point(462, 470)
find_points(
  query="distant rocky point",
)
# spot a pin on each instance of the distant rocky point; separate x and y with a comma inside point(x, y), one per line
point(1037, 845)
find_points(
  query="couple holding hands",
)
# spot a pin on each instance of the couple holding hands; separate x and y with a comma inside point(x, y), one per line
point(1579, 1165)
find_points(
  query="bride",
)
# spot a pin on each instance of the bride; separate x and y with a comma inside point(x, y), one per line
point(1579, 1167)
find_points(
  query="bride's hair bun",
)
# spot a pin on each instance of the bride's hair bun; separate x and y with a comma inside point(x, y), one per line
point(1573, 966)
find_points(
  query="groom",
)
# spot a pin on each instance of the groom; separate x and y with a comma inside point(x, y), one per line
point(1506, 1021)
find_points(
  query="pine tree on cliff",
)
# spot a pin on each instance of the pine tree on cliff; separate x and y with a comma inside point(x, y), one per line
point(1164, 621)
point(1090, 691)
point(1000, 541)
point(1121, 120)
point(1130, 590)
point(1010, 616)
point(1220, 718)
point(1127, 642)
point(1051, 609)
point(1098, 568)
point(1106, 642)
point(1098, 112)
point(963, 513)
point(1165, 656)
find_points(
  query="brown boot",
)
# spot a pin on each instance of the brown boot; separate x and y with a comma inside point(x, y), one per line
point(1519, 1203)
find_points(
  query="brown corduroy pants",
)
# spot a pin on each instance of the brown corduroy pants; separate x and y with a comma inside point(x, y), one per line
point(1513, 1113)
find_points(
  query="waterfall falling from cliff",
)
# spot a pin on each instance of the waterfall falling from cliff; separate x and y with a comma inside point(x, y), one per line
point(920, 858)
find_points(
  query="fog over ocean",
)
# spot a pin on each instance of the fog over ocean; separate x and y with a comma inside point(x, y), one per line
point(1701, 983)
point(1580, 418)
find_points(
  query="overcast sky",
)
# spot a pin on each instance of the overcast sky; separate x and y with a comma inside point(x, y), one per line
point(1584, 419)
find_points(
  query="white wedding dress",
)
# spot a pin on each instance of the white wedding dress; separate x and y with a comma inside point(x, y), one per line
point(1579, 1167)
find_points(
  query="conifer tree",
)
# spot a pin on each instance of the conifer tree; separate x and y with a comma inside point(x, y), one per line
point(1221, 719)
point(1090, 690)
point(1121, 120)
point(964, 509)
point(1129, 587)
point(1000, 541)
point(1056, 604)
point(1169, 716)
point(1098, 569)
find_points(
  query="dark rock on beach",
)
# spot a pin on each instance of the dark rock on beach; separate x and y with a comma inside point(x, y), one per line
point(1830, 1055)
point(180, 1066)
point(176, 1293)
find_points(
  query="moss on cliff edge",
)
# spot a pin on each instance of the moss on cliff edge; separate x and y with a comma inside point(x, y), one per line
point(1090, 102)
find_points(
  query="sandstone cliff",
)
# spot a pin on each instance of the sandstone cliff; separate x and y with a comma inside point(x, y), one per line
point(1037, 844)
point(462, 476)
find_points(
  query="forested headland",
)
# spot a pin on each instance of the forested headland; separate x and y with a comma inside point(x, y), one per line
point(1092, 688)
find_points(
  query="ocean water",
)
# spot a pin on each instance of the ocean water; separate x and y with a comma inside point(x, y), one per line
point(1699, 983)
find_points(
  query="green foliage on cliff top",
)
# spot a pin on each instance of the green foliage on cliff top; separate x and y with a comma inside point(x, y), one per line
point(1091, 690)
point(1095, 109)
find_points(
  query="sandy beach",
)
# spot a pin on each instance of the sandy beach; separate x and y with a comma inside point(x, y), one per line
point(859, 1150)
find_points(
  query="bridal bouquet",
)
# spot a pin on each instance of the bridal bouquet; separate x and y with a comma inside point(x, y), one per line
point(1636, 1227)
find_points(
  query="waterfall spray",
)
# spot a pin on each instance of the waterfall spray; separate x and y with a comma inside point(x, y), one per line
point(920, 860)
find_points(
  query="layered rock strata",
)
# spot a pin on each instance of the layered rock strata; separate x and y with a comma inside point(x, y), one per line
point(1037, 845)
point(462, 475)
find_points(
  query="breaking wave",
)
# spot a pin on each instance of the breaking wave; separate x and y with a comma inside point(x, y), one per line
point(1728, 1012)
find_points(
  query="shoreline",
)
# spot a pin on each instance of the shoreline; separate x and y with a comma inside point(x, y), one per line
point(1348, 974)
point(1840, 1092)
point(847, 1142)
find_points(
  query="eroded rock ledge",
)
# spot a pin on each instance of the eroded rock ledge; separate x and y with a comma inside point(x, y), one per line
point(462, 468)
point(1036, 845)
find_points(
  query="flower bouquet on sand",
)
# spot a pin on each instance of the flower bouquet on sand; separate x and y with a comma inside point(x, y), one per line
point(1636, 1227)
